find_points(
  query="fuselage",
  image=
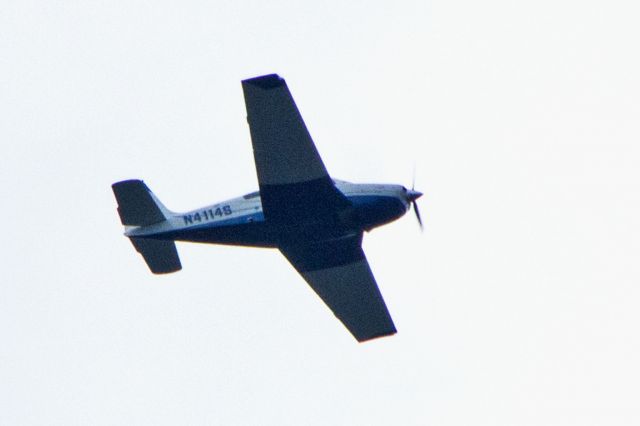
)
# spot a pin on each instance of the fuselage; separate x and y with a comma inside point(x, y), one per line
point(241, 221)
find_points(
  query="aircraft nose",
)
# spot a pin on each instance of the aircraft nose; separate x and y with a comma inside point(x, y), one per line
point(413, 195)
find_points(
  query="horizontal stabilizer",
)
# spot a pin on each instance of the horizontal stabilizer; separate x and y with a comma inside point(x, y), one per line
point(161, 255)
point(136, 205)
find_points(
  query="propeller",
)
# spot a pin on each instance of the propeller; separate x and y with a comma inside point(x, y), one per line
point(412, 196)
point(415, 208)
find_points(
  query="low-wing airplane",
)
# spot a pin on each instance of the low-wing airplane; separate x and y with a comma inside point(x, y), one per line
point(315, 221)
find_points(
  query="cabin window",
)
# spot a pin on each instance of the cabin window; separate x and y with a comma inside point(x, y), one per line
point(251, 195)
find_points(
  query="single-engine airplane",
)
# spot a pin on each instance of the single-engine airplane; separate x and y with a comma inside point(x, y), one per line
point(315, 221)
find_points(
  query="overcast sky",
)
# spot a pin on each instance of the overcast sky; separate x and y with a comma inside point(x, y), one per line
point(518, 305)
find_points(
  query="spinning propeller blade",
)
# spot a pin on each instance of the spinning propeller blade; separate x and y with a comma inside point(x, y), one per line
point(413, 196)
point(415, 208)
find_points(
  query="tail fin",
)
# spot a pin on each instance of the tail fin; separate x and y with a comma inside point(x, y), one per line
point(137, 206)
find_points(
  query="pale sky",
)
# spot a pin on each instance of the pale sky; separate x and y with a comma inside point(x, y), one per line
point(518, 305)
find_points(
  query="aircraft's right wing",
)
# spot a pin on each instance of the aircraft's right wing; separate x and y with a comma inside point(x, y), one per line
point(294, 184)
point(339, 273)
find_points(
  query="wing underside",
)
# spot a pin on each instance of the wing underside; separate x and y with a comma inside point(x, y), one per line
point(295, 189)
point(294, 183)
point(339, 273)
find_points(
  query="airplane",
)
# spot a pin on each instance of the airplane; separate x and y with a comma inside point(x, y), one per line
point(315, 221)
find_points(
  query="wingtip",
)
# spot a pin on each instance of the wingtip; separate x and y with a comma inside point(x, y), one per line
point(378, 335)
point(269, 81)
point(126, 182)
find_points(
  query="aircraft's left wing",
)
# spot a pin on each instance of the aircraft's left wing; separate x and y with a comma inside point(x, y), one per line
point(339, 273)
point(294, 184)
